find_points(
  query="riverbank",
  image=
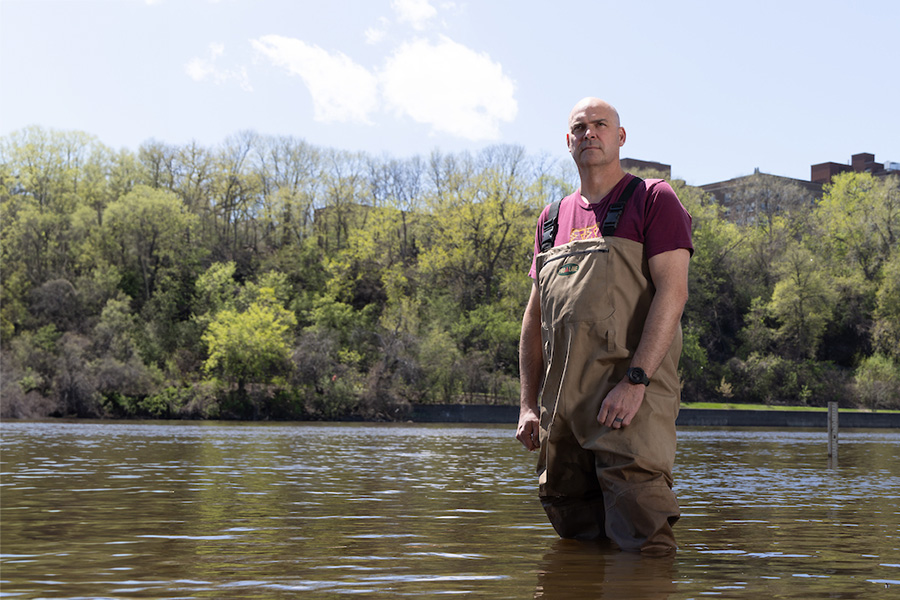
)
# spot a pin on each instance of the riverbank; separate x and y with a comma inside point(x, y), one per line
point(687, 417)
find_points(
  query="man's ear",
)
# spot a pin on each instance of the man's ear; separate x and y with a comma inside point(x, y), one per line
point(621, 136)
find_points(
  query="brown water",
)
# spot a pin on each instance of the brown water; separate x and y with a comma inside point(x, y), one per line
point(189, 510)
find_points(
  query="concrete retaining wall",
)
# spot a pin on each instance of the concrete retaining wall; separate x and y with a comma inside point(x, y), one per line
point(688, 417)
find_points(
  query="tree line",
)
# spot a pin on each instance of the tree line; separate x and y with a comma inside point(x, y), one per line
point(267, 278)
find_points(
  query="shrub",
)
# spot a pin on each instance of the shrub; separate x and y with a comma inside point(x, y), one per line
point(772, 379)
point(123, 384)
point(15, 403)
point(876, 383)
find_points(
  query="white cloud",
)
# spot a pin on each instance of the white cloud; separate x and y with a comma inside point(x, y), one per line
point(216, 50)
point(376, 34)
point(415, 12)
point(373, 36)
point(201, 69)
point(450, 87)
point(341, 89)
point(198, 69)
point(443, 84)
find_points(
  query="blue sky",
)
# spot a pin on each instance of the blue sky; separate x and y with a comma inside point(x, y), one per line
point(715, 89)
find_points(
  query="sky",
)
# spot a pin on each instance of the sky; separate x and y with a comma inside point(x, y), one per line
point(715, 89)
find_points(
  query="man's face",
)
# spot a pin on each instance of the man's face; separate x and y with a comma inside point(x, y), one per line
point(594, 134)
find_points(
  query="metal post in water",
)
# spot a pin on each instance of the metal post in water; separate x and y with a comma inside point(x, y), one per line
point(832, 433)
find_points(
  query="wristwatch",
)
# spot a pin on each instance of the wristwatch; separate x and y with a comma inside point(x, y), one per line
point(636, 375)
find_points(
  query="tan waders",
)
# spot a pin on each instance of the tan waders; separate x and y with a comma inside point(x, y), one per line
point(597, 482)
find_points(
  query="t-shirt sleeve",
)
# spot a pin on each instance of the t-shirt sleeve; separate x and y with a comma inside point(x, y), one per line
point(667, 221)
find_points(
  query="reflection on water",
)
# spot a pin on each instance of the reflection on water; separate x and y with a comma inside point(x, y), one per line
point(190, 510)
point(572, 569)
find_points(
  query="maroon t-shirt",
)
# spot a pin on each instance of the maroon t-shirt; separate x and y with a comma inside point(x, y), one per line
point(653, 216)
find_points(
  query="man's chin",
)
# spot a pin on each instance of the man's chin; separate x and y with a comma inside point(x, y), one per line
point(591, 153)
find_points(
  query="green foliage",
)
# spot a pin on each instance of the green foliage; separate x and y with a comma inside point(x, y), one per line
point(717, 298)
point(694, 364)
point(860, 220)
point(877, 382)
point(757, 336)
point(328, 313)
point(492, 330)
point(114, 333)
point(441, 361)
point(33, 359)
point(485, 220)
point(120, 385)
point(145, 233)
point(267, 278)
point(252, 346)
point(886, 330)
point(216, 289)
point(327, 383)
point(166, 403)
point(772, 379)
point(801, 302)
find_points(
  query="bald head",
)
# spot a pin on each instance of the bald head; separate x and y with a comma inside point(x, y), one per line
point(594, 138)
point(596, 103)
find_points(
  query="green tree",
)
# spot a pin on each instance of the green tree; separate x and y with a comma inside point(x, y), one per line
point(886, 328)
point(877, 382)
point(289, 173)
point(251, 346)
point(859, 217)
point(145, 233)
point(857, 220)
point(398, 185)
point(344, 185)
point(483, 223)
point(715, 302)
point(232, 203)
point(802, 303)
point(216, 289)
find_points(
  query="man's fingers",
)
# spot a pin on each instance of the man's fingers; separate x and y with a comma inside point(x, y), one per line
point(529, 435)
point(534, 437)
point(614, 419)
point(620, 405)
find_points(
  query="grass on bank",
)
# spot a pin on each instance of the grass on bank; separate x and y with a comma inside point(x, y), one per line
point(732, 406)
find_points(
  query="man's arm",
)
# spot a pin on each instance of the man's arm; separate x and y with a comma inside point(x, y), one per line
point(669, 272)
point(531, 373)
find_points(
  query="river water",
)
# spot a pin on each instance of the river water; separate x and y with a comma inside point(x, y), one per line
point(217, 510)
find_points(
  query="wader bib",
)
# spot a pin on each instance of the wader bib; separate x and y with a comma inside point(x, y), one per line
point(597, 482)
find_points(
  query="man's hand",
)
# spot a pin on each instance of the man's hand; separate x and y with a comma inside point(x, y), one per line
point(529, 431)
point(621, 404)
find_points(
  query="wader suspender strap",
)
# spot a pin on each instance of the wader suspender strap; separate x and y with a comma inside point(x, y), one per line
point(548, 231)
point(551, 224)
point(615, 211)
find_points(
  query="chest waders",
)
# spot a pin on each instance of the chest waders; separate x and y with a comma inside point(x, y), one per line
point(597, 482)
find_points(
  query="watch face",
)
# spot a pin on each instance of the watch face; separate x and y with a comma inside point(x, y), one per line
point(637, 375)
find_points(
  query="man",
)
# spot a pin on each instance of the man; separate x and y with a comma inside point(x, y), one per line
point(600, 342)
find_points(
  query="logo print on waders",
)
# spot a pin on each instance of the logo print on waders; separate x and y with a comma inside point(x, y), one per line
point(567, 269)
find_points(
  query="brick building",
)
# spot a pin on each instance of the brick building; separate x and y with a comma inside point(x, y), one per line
point(632, 164)
point(859, 163)
point(724, 190)
point(743, 196)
